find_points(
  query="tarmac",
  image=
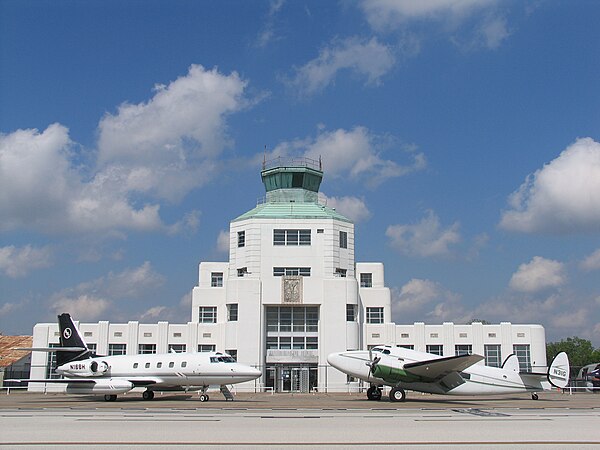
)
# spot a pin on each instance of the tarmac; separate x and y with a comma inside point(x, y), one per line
point(334, 420)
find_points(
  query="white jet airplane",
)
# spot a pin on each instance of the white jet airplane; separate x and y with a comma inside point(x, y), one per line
point(86, 373)
point(405, 369)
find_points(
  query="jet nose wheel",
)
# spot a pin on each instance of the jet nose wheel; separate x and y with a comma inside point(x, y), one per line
point(203, 397)
point(534, 396)
point(110, 398)
point(397, 395)
point(148, 395)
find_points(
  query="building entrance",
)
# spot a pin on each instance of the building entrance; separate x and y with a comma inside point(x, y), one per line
point(292, 378)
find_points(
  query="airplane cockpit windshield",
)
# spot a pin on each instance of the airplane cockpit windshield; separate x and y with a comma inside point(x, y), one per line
point(218, 359)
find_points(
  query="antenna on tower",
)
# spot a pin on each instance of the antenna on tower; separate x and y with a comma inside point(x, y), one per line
point(265, 158)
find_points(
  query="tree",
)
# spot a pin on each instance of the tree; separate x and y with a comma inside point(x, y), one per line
point(580, 351)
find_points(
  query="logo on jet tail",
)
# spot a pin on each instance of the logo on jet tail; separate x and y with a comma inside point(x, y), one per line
point(67, 333)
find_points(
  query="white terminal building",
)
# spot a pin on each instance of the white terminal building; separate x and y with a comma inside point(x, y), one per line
point(291, 294)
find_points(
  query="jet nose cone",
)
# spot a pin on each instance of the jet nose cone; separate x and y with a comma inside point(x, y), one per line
point(255, 373)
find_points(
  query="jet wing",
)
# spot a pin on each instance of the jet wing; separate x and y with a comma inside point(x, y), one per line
point(435, 369)
point(144, 381)
point(57, 380)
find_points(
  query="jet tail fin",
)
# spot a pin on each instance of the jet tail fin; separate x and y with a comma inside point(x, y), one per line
point(559, 371)
point(72, 346)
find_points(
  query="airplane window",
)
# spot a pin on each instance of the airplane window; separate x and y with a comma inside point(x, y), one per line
point(386, 352)
point(183, 364)
point(147, 365)
point(135, 365)
point(159, 365)
point(377, 349)
point(214, 359)
point(171, 364)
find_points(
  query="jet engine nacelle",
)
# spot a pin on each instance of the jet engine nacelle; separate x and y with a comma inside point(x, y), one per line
point(100, 387)
point(86, 368)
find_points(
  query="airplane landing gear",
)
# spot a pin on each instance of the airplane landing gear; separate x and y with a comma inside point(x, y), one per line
point(148, 394)
point(203, 397)
point(534, 396)
point(110, 398)
point(397, 394)
point(374, 393)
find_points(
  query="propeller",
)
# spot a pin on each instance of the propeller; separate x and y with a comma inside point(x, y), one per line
point(372, 362)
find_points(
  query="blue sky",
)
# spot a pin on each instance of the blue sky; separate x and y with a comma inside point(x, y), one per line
point(462, 137)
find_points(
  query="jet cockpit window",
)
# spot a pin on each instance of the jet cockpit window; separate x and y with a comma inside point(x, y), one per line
point(386, 352)
point(226, 359)
point(377, 349)
point(214, 359)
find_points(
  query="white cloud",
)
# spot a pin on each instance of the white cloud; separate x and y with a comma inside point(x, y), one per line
point(353, 208)
point(426, 238)
point(167, 145)
point(18, 262)
point(387, 14)
point(40, 189)
point(154, 313)
point(493, 31)
point(7, 308)
point(539, 274)
point(561, 197)
point(267, 34)
point(223, 241)
point(352, 153)
point(425, 299)
point(591, 262)
point(84, 307)
point(162, 149)
point(367, 58)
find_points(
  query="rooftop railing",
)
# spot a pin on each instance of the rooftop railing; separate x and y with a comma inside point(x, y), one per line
point(290, 161)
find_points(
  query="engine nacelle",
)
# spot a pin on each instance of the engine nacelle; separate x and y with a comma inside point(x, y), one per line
point(85, 368)
point(100, 387)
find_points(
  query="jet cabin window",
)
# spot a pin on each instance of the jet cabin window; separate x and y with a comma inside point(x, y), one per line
point(218, 359)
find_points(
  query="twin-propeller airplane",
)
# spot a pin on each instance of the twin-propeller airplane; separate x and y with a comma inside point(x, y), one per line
point(85, 373)
point(405, 369)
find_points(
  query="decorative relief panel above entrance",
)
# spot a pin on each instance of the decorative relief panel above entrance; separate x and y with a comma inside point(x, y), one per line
point(291, 289)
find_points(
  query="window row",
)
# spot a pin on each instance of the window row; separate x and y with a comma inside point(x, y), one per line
point(291, 237)
point(291, 271)
point(297, 319)
point(208, 314)
point(292, 343)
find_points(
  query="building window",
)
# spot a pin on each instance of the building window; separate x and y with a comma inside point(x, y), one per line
point(232, 353)
point(492, 355)
point(292, 343)
point(320, 230)
point(216, 279)
point(351, 313)
point(435, 349)
point(206, 335)
point(523, 353)
point(117, 349)
point(462, 335)
point(207, 314)
point(87, 334)
point(292, 319)
point(242, 272)
point(232, 312)
point(177, 348)
point(146, 349)
point(206, 347)
point(92, 348)
point(241, 238)
point(291, 271)
point(340, 272)
point(176, 334)
point(147, 334)
point(291, 237)
point(433, 335)
point(118, 334)
point(366, 280)
point(375, 315)
point(407, 346)
point(343, 239)
point(463, 349)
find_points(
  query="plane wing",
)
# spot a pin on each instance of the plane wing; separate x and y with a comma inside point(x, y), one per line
point(435, 369)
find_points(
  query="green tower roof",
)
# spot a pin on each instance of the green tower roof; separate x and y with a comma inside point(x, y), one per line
point(292, 187)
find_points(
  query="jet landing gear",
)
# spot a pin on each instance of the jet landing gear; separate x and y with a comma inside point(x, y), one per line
point(534, 396)
point(148, 394)
point(110, 398)
point(374, 393)
point(397, 395)
point(204, 397)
